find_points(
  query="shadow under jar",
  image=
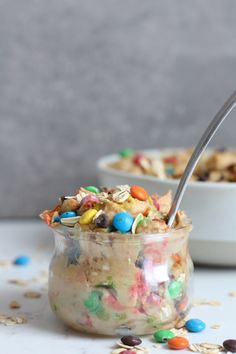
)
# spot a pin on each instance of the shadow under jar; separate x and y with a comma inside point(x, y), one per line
point(117, 284)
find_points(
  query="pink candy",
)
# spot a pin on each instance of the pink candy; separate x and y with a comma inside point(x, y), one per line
point(88, 202)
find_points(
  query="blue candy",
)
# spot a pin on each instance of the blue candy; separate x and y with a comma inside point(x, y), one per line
point(22, 260)
point(123, 222)
point(195, 325)
point(68, 214)
point(170, 170)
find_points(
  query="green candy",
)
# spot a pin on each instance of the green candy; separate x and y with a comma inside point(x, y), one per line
point(126, 152)
point(93, 304)
point(175, 289)
point(163, 335)
point(92, 189)
point(93, 301)
point(102, 314)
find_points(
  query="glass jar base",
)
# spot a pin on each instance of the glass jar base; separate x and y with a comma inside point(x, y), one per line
point(122, 330)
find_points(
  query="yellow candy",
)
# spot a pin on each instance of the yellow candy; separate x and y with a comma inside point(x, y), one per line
point(87, 217)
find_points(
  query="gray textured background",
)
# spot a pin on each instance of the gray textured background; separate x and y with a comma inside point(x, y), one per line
point(80, 79)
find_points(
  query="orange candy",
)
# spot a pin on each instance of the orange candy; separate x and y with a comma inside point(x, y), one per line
point(139, 193)
point(178, 343)
point(47, 215)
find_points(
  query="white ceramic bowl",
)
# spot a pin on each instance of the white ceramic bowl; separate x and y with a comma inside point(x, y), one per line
point(211, 206)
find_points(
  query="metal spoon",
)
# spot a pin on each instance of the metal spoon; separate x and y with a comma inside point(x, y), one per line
point(199, 149)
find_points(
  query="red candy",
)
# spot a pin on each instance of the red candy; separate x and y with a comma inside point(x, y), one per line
point(128, 352)
point(178, 343)
point(171, 160)
point(139, 193)
point(137, 159)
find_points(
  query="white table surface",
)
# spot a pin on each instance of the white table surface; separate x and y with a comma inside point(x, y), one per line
point(44, 334)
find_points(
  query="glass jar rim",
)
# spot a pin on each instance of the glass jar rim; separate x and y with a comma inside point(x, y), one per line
point(106, 237)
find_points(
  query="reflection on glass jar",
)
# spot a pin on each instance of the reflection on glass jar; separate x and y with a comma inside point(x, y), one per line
point(114, 284)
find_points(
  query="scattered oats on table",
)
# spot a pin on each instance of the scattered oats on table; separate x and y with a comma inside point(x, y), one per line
point(216, 326)
point(20, 282)
point(181, 332)
point(136, 349)
point(5, 263)
point(14, 305)
point(11, 320)
point(206, 348)
point(32, 294)
point(206, 302)
point(232, 294)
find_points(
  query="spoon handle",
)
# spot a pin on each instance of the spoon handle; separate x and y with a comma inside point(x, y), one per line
point(199, 149)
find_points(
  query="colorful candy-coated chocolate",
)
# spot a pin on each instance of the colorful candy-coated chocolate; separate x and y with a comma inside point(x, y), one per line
point(178, 343)
point(170, 170)
point(230, 345)
point(92, 189)
point(139, 193)
point(137, 158)
point(170, 159)
point(123, 222)
point(126, 152)
point(163, 335)
point(22, 260)
point(88, 216)
point(88, 202)
point(131, 340)
point(93, 301)
point(195, 325)
point(175, 289)
point(68, 214)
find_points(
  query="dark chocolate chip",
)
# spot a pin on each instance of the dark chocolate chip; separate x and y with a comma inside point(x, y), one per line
point(131, 340)
point(102, 221)
point(230, 345)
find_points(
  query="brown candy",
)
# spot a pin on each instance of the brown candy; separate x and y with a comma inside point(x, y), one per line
point(131, 341)
point(230, 345)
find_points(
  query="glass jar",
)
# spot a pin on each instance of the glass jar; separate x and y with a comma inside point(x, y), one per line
point(117, 284)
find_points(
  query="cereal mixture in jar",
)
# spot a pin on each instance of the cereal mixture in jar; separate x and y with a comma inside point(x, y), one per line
point(117, 265)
